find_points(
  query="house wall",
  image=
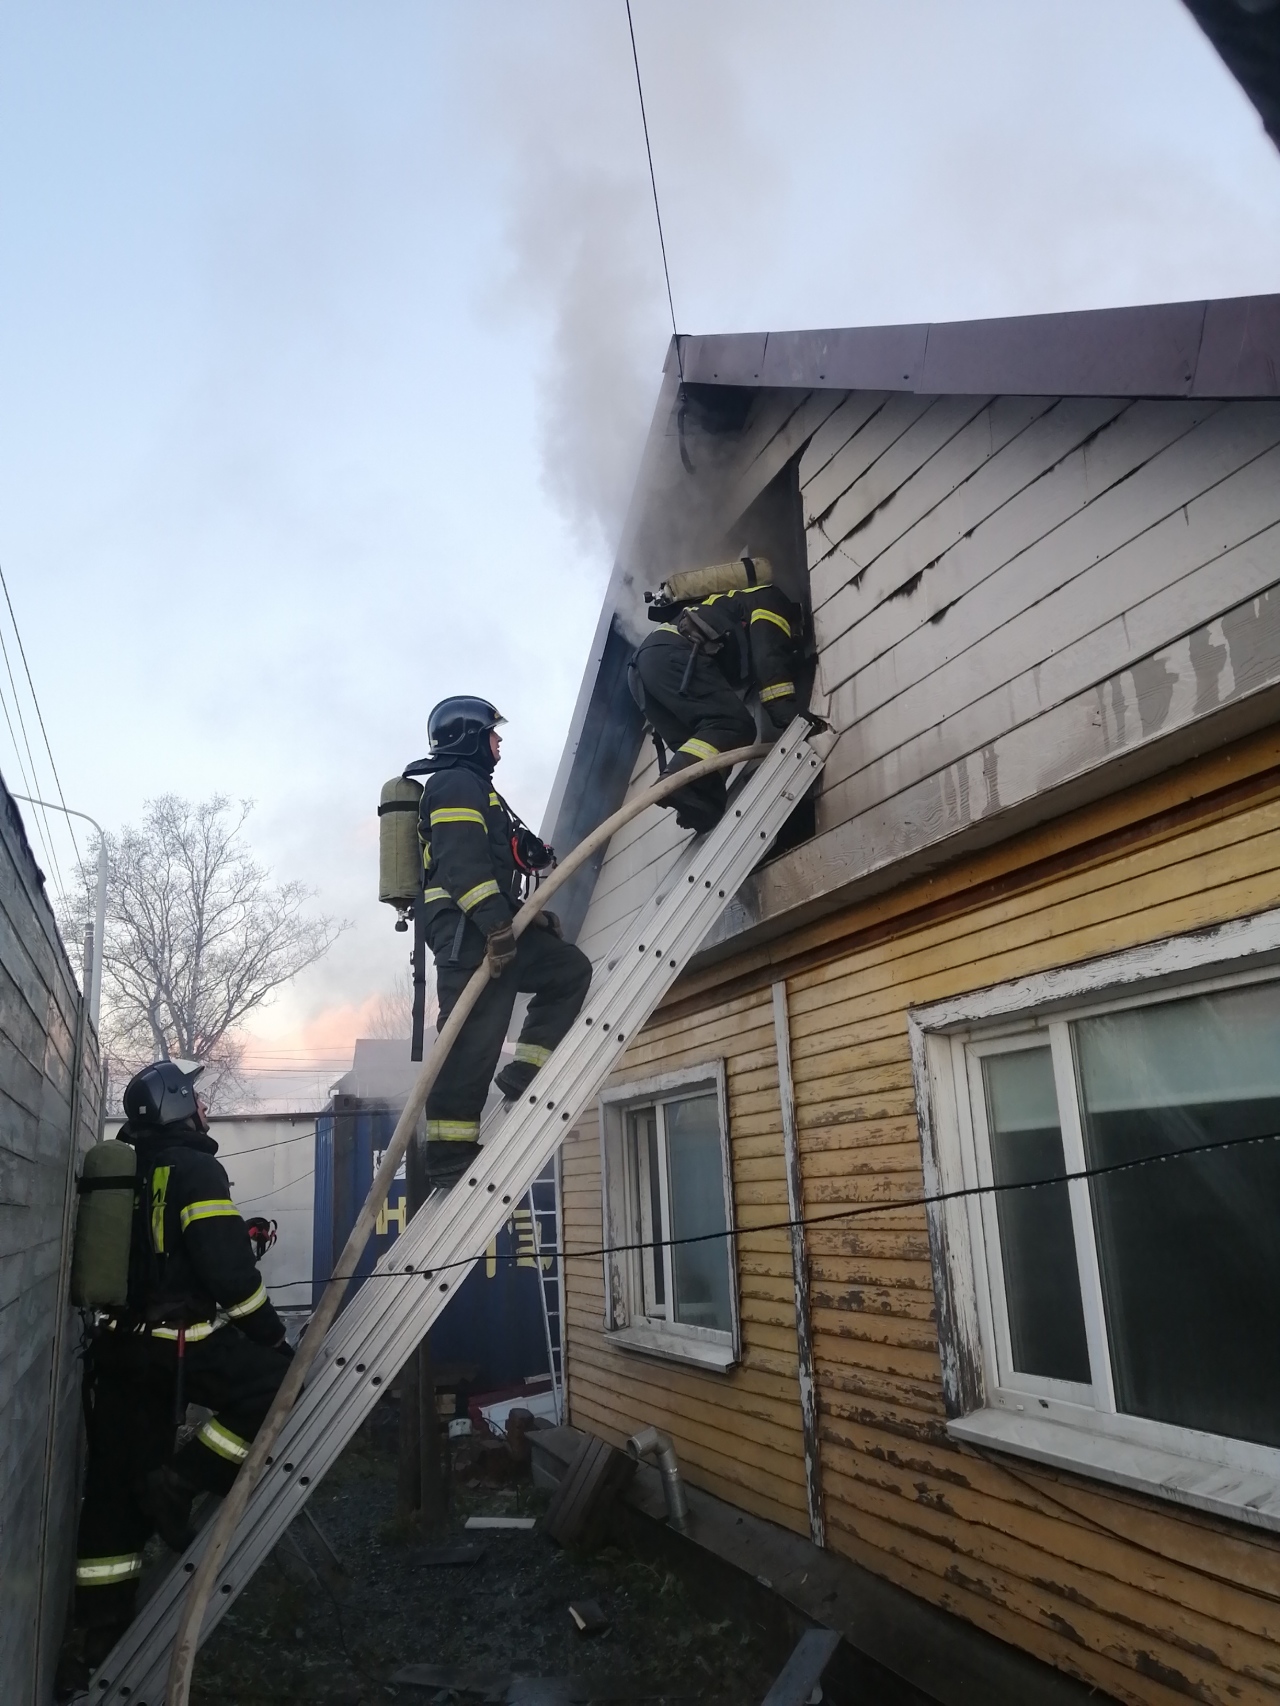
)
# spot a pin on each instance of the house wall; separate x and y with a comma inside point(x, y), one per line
point(738, 1434)
point(39, 1333)
point(1148, 1601)
point(1019, 604)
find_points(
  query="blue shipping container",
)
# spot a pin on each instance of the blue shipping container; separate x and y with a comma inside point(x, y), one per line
point(495, 1318)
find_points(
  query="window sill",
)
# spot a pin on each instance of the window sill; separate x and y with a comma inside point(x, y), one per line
point(673, 1347)
point(1238, 1493)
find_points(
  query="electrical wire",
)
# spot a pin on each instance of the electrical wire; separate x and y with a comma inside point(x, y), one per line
point(855, 1211)
point(35, 700)
point(653, 182)
point(40, 819)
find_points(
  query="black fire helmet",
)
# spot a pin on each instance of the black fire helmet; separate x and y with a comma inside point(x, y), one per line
point(457, 726)
point(162, 1094)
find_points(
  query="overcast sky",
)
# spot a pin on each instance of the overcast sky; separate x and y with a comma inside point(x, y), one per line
point(329, 334)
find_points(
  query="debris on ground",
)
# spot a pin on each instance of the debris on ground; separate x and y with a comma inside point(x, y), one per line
point(439, 1619)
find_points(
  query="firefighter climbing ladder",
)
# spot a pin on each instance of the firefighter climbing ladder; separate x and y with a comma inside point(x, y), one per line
point(387, 1318)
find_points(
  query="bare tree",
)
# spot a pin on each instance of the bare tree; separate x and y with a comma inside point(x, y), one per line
point(197, 936)
point(392, 1016)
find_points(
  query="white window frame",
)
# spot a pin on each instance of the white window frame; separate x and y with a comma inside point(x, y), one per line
point(627, 1325)
point(1069, 1426)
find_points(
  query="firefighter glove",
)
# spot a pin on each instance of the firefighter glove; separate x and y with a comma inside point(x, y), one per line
point(500, 949)
point(550, 921)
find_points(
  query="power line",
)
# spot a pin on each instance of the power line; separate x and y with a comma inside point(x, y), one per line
point(653, 181)
point(40, 817)
point(35, 700)
point(855, 1211)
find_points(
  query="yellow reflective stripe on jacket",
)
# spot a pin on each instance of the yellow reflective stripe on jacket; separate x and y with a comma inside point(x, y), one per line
point(779, 690)
point(220, 1438)
point(197, 1331)
point(159, 1191)
point(699, 749)
point(763, 615)
point(429, 895)
point(255, 1300)
point(473, 897)
point(212, 1208)
point(457, 814)
point(532, 1054)
point(101, 1572)
point(494, 800)
point(666, 628)
point(453, 1131)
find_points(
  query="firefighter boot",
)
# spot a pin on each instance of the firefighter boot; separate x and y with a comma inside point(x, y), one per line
point(83, 1651)
point(515, 1078)
point(166, 1497)
point(448, 1161)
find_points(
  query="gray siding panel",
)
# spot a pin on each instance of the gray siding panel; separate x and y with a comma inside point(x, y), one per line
point(38, 1157)
point(1005, 637)
point(1016, 599)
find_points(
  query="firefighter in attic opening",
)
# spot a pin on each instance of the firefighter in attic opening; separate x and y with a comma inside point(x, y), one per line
point(720, 630)
point(181, 1315)
point(477, 857)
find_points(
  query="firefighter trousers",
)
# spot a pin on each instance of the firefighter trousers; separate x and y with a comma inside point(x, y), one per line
point(555, 973)
point(130, 1389)
point(705, 718)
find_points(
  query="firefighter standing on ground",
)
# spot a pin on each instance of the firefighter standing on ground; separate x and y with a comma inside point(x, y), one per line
point(689, 667)
point(473, 885)
point(198, 1326)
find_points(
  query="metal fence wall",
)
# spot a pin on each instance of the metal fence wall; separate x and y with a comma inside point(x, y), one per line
point(45, 1127)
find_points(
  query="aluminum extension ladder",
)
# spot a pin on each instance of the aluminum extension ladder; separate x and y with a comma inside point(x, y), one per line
point(544, 1210)
point(388, 1317)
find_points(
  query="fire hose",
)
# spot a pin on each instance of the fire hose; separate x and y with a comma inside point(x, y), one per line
point(187, 1638)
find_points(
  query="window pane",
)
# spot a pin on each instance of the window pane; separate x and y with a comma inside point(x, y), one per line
point(1189, 1250)
point(644, 1138)
point(700, 1271)
point(1037, 1246)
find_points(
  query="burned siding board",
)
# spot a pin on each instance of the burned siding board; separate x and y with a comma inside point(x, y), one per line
point(965, 520)
point(934, 508)
point(1182, 508)
point(38, 1159)
point(1094, 606)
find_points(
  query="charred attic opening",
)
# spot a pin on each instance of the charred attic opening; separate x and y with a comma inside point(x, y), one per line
point(773, 526)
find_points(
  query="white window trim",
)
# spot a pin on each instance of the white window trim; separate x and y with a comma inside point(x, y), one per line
point(625, 1327)
point(1045, 1421)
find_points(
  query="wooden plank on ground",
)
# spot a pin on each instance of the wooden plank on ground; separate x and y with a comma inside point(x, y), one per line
point(803, 1670)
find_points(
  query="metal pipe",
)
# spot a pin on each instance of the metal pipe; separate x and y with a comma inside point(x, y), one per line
point(650, 1443)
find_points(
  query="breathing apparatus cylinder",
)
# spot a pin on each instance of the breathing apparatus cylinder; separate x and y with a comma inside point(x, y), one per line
point(399, 853)
point(104, 1227)
point(717, 577)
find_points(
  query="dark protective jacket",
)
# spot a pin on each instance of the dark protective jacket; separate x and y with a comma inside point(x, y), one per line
point(761, 635)
point(190, 1255)
point(470, 873)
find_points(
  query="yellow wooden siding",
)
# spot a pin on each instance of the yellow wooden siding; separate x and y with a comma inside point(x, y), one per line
point(1038, 1559)
point(1148, 1601)
point(737, 1434)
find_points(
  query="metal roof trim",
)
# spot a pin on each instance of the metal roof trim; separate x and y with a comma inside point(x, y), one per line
point(1223, 348)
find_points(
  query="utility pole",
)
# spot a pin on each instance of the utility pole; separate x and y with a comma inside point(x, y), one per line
point(93, 983)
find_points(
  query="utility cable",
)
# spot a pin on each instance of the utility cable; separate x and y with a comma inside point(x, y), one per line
point(35, 700)
point(653, 182)
point(39, 817)
point(853, 1212)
